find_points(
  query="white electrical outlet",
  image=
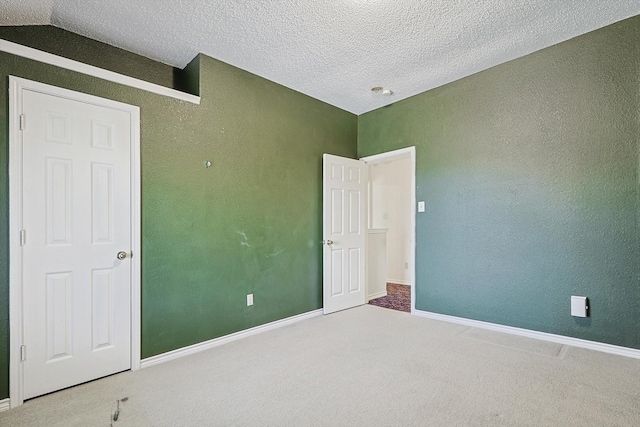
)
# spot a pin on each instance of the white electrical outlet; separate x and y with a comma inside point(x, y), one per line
point(421, 206)
point(406, 265)
point(579, 306)
point(249, 300)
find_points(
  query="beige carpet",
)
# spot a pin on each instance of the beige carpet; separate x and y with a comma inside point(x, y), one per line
point(363, 367)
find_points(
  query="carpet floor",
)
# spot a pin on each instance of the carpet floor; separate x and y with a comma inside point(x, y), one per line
point(361, 367)
point(398, 298)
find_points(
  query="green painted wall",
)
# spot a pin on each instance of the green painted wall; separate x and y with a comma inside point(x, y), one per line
point(249, 224)
point(57, 41)
point(530, 173)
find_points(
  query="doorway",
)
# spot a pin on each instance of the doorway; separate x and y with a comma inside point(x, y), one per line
point(74, 238)
point(391, 230)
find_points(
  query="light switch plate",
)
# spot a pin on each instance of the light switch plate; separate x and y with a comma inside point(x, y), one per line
point(420, 206)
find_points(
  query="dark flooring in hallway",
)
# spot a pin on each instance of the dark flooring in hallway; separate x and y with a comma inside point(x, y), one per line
point(398, 298)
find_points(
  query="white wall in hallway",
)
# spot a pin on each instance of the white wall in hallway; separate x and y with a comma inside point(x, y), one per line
point(391, 208)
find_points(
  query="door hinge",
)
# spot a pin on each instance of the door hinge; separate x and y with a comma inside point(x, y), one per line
point(23, 353)
point(23, 237)
point(22, 121)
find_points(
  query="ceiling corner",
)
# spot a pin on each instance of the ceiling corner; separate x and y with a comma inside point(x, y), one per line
point(26, 12)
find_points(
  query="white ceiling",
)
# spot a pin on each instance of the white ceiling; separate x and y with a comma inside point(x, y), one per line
point(332, 50)
point(26, 12)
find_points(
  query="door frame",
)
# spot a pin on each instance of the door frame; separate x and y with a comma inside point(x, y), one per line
point(16, 86)
point(395, 155)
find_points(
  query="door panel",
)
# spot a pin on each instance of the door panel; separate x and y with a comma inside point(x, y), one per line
point(344, 186)
point(59, 320)
point(77, 217)
point(102, 303)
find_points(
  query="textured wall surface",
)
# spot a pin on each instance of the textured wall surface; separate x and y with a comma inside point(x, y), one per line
point(530, 176)
point(249, 224)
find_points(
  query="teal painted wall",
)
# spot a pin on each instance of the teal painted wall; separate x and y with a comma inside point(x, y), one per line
point(249, 224)
point(530, 173)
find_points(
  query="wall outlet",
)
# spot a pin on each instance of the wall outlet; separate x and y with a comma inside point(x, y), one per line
point(406, 265)
point(579, 306)
point(249, 300)
point(421, 206)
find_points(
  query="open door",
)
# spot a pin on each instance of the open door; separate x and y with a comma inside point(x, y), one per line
point(344, 231)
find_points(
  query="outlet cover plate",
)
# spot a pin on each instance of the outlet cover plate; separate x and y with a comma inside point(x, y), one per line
point(578, 306)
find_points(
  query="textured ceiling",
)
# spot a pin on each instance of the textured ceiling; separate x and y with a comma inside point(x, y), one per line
point(25, 12)
point(337, 50)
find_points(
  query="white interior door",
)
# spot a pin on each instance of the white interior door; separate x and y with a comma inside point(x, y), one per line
point(76, 215)
point(344, 232)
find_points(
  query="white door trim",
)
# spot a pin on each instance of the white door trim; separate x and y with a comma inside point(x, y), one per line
point(394, 155)
point(16, 85)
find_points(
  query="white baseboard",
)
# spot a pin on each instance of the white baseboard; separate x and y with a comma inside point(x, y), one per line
point(560, 339)
point(206, 345)
point(5, 405)
point(377, 295)
point(399, 282)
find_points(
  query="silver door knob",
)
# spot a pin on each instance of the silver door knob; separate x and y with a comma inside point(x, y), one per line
point(121, 255)
point(328, 242)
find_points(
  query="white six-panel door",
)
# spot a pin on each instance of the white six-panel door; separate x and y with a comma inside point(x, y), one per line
point(344, 232)
point(76, 215)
